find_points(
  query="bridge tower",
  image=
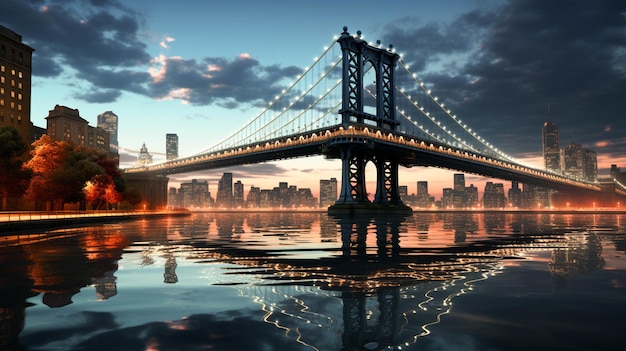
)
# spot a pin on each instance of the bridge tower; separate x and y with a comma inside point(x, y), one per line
point(372, 106)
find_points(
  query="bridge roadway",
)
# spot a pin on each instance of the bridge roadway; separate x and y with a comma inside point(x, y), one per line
point(410, 151)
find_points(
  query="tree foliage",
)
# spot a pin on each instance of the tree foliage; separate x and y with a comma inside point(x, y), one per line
point(13, 178)
point(65, 173)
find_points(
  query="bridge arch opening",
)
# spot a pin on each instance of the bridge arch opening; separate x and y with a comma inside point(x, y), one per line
point(370, 92)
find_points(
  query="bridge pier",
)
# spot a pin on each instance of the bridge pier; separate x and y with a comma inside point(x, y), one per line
point(353, 196)
point(152, 188)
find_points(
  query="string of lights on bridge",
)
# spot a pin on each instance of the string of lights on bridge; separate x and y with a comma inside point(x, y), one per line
point(311, 103)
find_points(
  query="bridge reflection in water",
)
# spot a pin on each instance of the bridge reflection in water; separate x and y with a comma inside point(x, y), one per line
point(371, 298)
point(328, 283)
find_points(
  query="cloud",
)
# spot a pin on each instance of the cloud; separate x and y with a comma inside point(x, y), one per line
point(497, 67)
point(501, 68)
point(100, 45)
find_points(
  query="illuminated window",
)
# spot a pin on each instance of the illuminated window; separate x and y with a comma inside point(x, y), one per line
point(1, 102)
point(19, 74)
point(12, 72)
point(2, 68)
point(19, 96)
point(12, 104)
point(1, 91)
point(12, 94)
point(19, 119)
point(19, 85)
point(12, 82)
point(19, 107)
point(1, 79)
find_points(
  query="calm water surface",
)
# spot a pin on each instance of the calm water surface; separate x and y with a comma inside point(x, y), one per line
point(307, 281)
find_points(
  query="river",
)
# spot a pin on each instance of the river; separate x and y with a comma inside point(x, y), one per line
point(310, 281)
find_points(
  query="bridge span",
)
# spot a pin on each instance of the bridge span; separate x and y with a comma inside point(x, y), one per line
point(358, 123)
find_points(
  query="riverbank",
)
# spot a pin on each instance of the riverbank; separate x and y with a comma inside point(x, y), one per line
point(28, 221)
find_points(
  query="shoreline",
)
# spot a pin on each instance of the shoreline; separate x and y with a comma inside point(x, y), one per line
point(13, 227)
point(16, 226)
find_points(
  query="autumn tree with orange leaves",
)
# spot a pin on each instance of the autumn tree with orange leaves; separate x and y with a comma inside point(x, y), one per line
point(65, 173)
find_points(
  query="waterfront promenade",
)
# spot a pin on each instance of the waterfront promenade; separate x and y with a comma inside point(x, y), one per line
point(12, 221)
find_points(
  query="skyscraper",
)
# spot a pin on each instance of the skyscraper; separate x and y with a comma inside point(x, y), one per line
point(590, 165)
point(424, 199)
point(493, 197)
point(573, 159)
point(328, 192)
point(224, 197)
point(171, 146)
point(15, 82)
point(551, 148)
point(515, 195)
point(458, 198)
point(108, 121)
point(238, 194)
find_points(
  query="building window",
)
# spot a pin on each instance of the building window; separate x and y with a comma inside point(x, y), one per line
point(19, 96)
point(1, 91)
point(12, 94)
point(19, 74)
point(2, 67)
point(19, 107)
point(1, 102)
point(12, 72)
point(12, 82)
point(19, 119)
point(1, 79)
point(19, 85)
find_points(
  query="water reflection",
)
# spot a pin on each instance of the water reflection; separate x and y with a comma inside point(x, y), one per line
point(327, 283)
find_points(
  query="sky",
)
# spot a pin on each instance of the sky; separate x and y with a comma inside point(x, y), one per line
point(503, 66)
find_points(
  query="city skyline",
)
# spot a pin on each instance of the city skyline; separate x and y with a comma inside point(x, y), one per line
point(142, 83)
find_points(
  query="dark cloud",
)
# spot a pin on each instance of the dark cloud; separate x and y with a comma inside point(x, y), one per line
point(510, 63)
point(498, 68)
point(99, 96)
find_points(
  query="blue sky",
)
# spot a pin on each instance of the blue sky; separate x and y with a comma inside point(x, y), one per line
point(498, 64)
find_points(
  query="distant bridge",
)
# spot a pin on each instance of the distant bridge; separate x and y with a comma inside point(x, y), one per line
point(352, 105)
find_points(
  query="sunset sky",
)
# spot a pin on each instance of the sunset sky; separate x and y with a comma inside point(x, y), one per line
point(497, 64)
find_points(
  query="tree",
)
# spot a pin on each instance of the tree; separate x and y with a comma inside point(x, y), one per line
point(13, 178)
point(48, 156)
point(64, 173)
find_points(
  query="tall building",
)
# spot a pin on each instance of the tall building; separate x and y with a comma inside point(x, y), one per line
point(238, 194)
point(573, 160)
point(617, 174)
point(15, 82)
point(66, 124)
point(515, 195)
point(471, 196)
point(458, 198)
point(108, 121)
point(254, 197)
point(224, 197)
point(194, 194)
point(328, 192)
point(424, 200)
point(590, 166)
point(551, 148)
point(171, 146)
point(447, 198)
point(493, 197)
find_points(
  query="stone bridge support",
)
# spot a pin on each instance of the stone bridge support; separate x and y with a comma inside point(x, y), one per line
point(152, 188)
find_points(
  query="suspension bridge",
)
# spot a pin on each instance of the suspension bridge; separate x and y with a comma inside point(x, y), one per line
point(360, 103)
